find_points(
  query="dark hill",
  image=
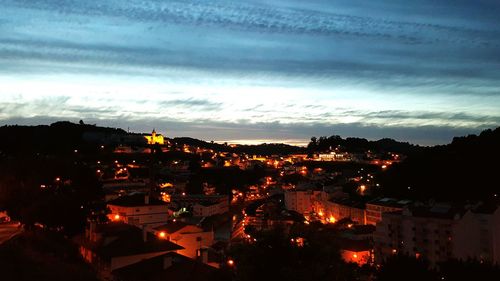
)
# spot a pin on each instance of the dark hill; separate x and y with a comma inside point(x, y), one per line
point(467, 168)
point(59, 137)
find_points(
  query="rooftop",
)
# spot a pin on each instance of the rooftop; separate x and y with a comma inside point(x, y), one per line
point(120, 239)
point(177, 267)
point(390, 202)
point(136, 199)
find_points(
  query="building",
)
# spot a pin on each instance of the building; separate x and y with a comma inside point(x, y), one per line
point(155, 138)
point(139, 209)
point(334, 210)
point(333, 156)
point(302, 201)
point(189, 200)
point(191, 237)
point(170, 266)
point(207, 208)
point(111, 246)
point(375, 208)
point(428, 232)
point(477, 234)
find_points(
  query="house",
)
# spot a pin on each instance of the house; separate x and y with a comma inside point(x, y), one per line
point(170, 266)
point(191, 237)
point(139, 209)
point(207, 208)
point(114, 245)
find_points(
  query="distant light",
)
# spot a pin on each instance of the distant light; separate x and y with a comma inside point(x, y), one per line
point(58, 179)
point(162, 234)
point(230, 262)
point(76, 150)
point(117, 217)
point(355, 256)
point(384, 166)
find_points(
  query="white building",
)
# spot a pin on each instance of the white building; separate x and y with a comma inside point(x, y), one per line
point(191, 237)
point(440, 232)
point(139, 209)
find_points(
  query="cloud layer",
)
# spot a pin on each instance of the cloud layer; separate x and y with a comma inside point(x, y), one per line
point(285, 69)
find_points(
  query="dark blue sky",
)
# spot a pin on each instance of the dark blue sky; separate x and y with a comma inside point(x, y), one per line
point(421, 71)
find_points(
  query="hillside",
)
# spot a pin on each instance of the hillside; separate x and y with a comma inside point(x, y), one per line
point(467, 168)
point(59, 137)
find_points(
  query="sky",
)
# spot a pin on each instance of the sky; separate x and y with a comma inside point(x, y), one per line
point(254, 71)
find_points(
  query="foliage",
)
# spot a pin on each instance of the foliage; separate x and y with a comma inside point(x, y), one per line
point(274, 256)
point(449, 172)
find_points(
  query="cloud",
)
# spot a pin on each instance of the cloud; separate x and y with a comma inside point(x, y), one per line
point(267, 66)
point(191, 103)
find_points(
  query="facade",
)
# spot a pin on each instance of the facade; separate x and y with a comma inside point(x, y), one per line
point(375, 208)
point(477, 235)
point(335, 210)
point(440, 232)
point(302, 201)
point(139, 210)
point(207, 209)
point(191, 237)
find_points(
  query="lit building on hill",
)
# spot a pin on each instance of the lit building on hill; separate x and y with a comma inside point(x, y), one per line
point(155, 138)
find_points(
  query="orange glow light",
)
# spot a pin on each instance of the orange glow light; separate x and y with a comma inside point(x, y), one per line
point(162, 234)
point(230, 262)
point(117, 217)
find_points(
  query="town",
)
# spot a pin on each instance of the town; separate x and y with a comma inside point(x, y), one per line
point(148, 207)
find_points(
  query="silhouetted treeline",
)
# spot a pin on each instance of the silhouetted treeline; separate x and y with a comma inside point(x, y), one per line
point(259, 149)
point(466, 169)
point(360, 145)
point(59, 137)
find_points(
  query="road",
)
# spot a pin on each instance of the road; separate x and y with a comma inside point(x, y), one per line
point(8, 230)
